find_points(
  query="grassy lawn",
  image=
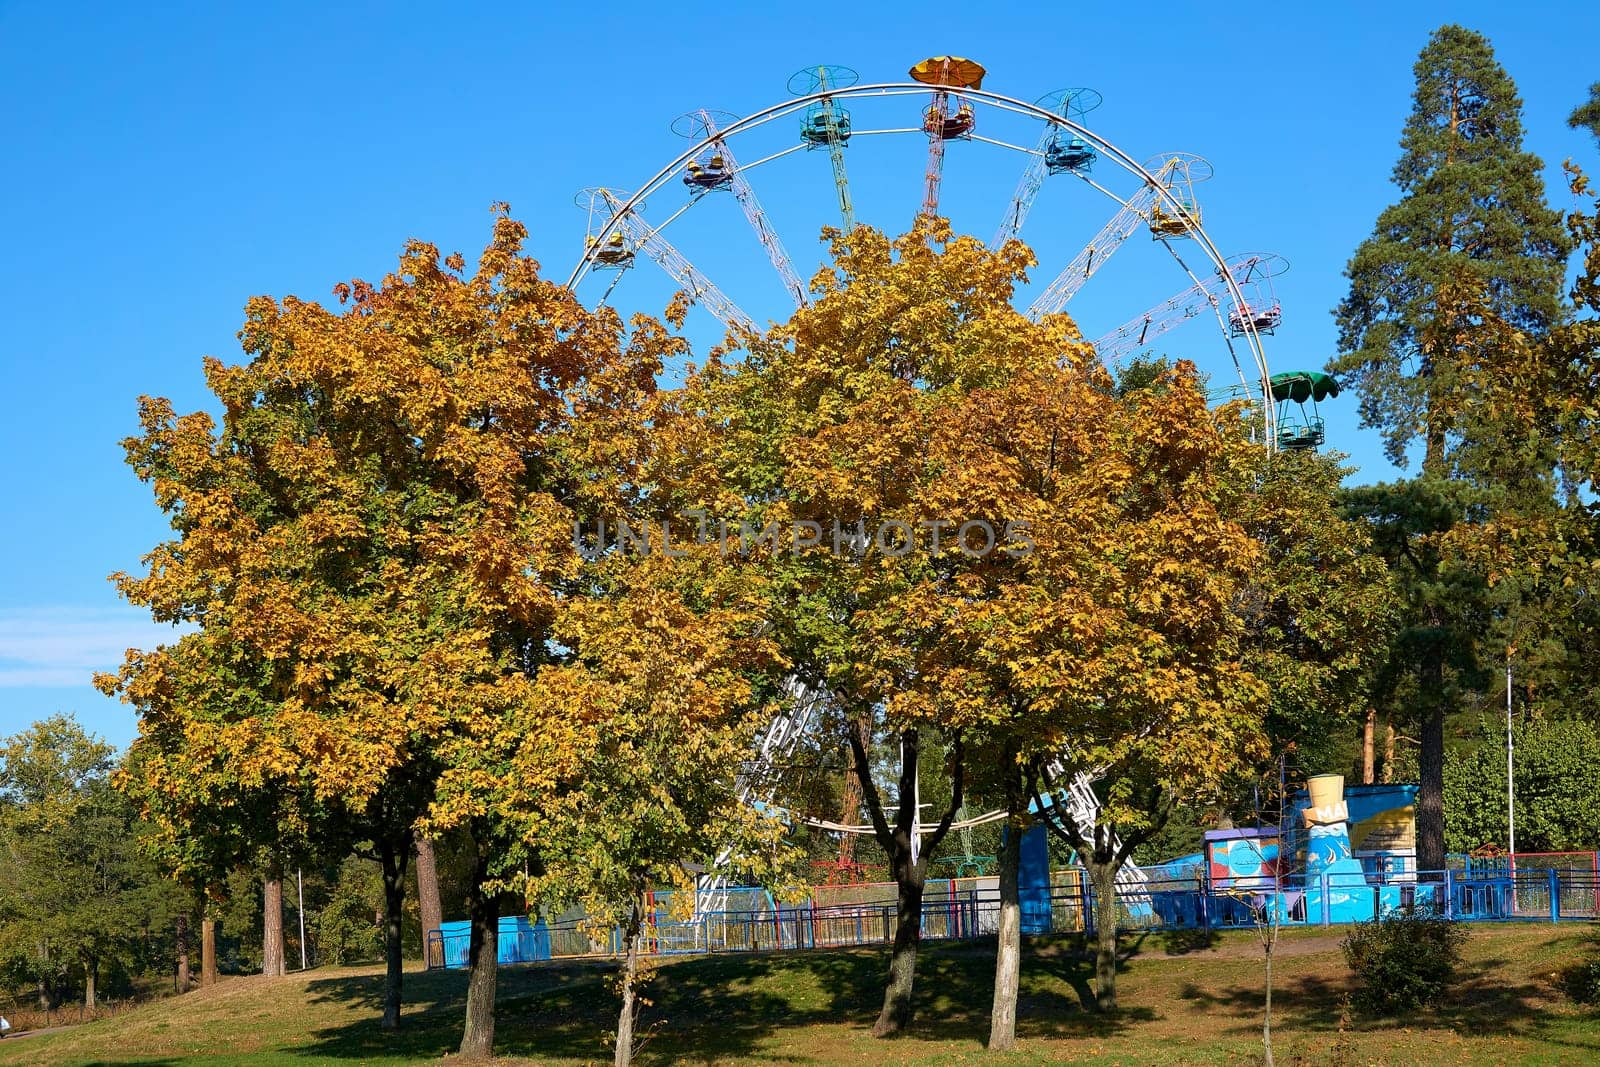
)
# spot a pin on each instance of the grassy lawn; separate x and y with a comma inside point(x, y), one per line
point(1190, 1000)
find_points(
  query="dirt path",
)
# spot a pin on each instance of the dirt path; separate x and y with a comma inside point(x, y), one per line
point(17, 1035)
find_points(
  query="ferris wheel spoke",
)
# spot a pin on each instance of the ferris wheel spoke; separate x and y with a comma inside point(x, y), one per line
point(1238, 268)
point(1249, 273)
point(939, 121)
point(1003, 144)
point(933, 173)
point(715, 167)
point(1028, 187)
point(627, 233)
point(1142, 329)
point(605, 297)
point(1166, 206)
point(826, 124)
point(1053, 154)
point(1101, 189)
point(1101, 247)
point(802, 706)
point(746, 168)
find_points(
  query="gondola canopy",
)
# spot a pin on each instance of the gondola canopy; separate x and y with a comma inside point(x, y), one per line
point(1302, 385)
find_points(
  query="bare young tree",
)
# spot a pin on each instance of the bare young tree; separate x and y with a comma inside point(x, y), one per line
point(1262, 896)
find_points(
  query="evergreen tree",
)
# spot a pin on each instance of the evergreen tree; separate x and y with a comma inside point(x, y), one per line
point(1471, 219)
point(1586, 116)
point(1469, 253)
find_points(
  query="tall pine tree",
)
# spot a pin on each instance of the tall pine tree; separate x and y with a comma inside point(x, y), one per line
point(1586, 116)
point(1471, 240)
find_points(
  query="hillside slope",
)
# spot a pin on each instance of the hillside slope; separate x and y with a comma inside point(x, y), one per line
point(1193, 1001)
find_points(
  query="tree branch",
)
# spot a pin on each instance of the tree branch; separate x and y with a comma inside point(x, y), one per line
point(1064, 828)
point(957, 774)
point(910, 760)
point(1134, 840)
point(869, 791)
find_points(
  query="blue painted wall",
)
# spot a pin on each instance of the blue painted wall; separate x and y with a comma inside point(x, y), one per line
point(518, 941)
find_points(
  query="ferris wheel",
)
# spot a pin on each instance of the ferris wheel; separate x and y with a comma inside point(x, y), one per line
point(942, 110)
point(945, 108)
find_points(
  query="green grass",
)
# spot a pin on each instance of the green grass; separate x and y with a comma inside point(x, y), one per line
point(1186, 1000)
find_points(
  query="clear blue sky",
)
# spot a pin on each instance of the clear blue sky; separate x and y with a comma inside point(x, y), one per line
point(165, 162)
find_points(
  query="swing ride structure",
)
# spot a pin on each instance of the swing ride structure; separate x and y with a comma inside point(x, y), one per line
point(831, 115)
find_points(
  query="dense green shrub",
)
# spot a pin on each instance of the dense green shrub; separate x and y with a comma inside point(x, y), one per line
point(1558, 808)
point(1581, 982)
point(1404, 960)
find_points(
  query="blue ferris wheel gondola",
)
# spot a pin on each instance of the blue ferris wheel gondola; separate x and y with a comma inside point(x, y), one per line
point(824, 125)
point(1069, 154)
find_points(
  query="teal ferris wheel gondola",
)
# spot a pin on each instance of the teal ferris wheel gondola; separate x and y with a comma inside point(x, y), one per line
point(1068, 154)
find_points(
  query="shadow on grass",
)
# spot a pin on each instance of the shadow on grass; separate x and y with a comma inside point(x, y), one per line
point(709, 1008)
point(1480, 1002)
point(1183, 942)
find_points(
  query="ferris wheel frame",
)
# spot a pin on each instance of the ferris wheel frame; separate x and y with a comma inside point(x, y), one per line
point(1171, 203)
point(1075, 799)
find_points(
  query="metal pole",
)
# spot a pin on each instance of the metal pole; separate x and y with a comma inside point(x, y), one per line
point(300, 902)
point(1511, 790)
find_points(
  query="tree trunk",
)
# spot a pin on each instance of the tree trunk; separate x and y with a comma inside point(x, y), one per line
point(91, 969)
point(272, 929)
point(1368, 729)
point(182, 938)
point(630, 995)
point(1008, 951)
point(898, 1004)
point(44, 982)
point(850, 806)
point(1103, 876)
point(483, 909)
point(393, 856)
point(208, 952)
point(1430, 794)
point(1266, 1019)
point(1102, 856)
point(1388, 752)
point(910, 874)
point(428, 897)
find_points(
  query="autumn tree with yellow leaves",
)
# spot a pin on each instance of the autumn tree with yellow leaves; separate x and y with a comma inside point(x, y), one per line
point(1113, 647)
point(664, 691)
point(372, 548)
point(825, 434)
point(1057, 582)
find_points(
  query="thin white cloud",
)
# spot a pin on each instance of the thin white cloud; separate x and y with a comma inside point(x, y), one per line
point(56, 646)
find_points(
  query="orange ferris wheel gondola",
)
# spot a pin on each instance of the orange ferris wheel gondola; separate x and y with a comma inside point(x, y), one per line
point(952, 71)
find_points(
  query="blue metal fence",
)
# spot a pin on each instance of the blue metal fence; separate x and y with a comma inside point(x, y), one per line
point(1543, 895)
point(1485, 894)
point(519, 941)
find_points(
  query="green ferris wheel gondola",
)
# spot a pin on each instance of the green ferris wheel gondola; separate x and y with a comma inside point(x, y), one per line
point(1307, 431)
point(1302, 385)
